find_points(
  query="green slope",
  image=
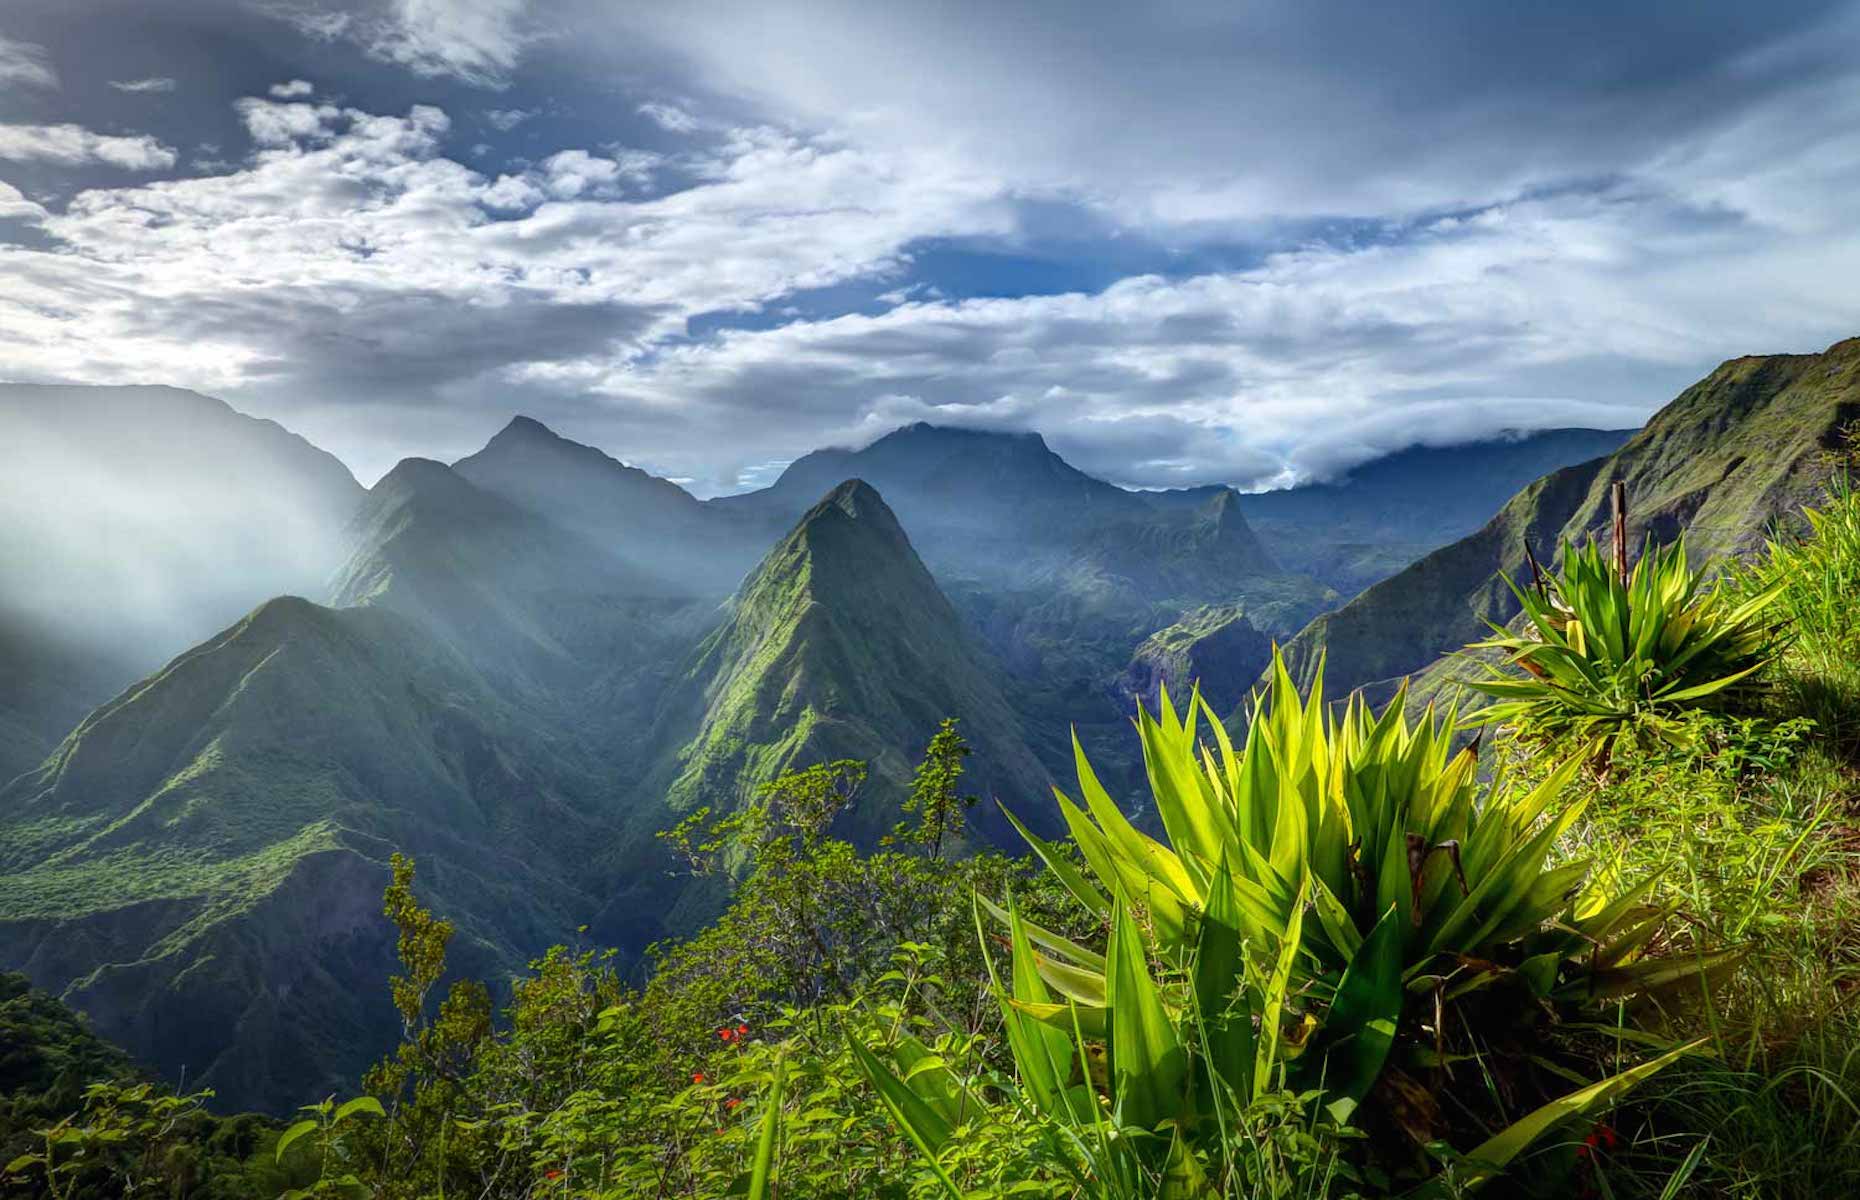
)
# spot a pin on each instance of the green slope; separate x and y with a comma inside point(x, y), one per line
point(509, 590)
point(198, 867)
point(839, 645)
point(1721, 462)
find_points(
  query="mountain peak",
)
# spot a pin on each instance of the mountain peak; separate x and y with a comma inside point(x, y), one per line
point(529, 427)
point(416, 473)
point(858, 499)
point(928, 430)
point(851, 522)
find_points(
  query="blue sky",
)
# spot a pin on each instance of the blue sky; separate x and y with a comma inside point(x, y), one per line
point(1189, 242)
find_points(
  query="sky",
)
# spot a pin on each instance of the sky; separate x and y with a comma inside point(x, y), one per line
point(1190, 242)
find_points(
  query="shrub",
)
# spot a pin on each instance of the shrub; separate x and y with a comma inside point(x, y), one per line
point(1600, 656)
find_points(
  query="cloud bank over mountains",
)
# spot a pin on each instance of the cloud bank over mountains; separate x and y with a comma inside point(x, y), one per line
point(1189, 245)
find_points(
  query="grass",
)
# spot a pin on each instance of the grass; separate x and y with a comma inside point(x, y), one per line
point(1754, 832)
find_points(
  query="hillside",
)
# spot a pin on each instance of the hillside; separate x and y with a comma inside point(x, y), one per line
point(1730, 455)
point(198, 865)
point(840, 645)
point(138, 520)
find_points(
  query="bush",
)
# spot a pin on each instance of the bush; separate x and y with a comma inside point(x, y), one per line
point(1601, 656)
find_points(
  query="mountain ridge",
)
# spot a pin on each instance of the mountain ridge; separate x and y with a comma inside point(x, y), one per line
point(1725, 458)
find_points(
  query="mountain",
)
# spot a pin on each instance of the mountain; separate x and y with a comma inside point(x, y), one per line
point(199, 864)
point(137, 521)
point(649, 522)
point(1383, 515)
point(840, 645)
point(1214, 646)
point(504, 587)
point(1720, 463)
point(1003, 508)
point(1061, 574)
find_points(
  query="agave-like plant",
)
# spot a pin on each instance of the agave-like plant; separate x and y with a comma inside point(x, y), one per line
point(1331, 896)
point(1601, 655)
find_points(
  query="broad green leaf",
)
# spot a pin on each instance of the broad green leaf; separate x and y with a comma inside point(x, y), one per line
point(1360, 1027)
point(926, 1130)
point(291, 1135)
point(361, 1104)
point(1149, 1063)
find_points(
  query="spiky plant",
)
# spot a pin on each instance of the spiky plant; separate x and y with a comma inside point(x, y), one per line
point(1601, 655)
point(1333, 897)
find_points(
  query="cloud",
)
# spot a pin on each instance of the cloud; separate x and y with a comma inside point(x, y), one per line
point(157, 83)
point(296, 89)
point(349, 268)
point(669, 117)
point(25, 64)
point(506, 119)
point(73, 145)
point(15, 207)
point(1211, 113)
point(476, 41)
point(1352, 238)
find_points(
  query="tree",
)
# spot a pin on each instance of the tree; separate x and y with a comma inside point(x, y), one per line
point(939, 806)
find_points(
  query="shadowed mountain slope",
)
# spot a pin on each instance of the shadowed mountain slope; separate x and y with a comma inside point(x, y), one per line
point(649, 522)
point(1389, 512)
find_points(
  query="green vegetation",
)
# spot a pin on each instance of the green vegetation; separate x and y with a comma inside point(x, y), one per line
point(1336, 949)
point(1606, 653)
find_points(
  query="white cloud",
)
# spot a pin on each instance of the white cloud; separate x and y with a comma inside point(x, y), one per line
point(506, 119)
point(478, 41)
point(25, 64)
point(14, 205)
point(73, 145)
point(296, 89)
point(669, 117)
point(349, 264)
point(158, 83)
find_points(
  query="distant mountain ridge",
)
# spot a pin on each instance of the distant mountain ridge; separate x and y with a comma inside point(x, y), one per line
point(649, 522)
point(1389, 511)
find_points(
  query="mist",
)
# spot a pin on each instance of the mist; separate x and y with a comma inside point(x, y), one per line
point(143, 520)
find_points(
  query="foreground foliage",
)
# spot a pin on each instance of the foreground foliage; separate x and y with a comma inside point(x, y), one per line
point(1602, 654)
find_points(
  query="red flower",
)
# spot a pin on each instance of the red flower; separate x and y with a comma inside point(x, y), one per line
point(727, 1034)
point(698, 1078)
point(552, 1175)
point(732, 1103)
point(742, 1031)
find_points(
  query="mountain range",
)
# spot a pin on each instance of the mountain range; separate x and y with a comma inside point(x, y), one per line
point(521, 666)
